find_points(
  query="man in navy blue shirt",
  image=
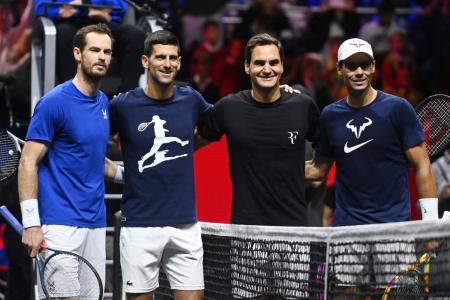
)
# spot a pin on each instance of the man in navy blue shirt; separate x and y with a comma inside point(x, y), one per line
point(159, 222)
point(373, 137)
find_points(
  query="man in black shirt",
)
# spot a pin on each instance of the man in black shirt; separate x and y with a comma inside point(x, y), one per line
point(266, 130)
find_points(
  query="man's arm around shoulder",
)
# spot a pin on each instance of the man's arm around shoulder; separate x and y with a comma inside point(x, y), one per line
point(317, 169)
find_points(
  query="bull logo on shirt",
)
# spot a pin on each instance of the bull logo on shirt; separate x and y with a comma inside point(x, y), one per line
point(358, 130)
point(160, 139)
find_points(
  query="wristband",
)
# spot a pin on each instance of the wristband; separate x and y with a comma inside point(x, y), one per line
point(429, 208)
point(30, 213)
point(446, 215)
point(118, 177)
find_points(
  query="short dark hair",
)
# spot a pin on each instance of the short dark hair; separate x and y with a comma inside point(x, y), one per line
point(160, 37)
point(79, 40)
point(262, 39)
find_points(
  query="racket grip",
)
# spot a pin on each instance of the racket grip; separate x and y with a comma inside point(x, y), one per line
point(12, 221)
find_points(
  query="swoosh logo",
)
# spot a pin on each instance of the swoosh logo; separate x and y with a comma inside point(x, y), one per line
point(348, 149)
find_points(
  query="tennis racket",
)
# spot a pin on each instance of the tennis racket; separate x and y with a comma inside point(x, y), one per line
point(410, 282)
point(55, 280)
point(434, 116)
point(9, 154)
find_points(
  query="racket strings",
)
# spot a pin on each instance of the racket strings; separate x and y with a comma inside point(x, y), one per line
point(434, 116)
point(412, 282)
point(9, 155)
point(66, 276)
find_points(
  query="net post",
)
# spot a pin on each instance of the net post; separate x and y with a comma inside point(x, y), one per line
point(117, 274)
point(327, 267)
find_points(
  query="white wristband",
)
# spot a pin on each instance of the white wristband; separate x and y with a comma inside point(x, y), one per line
point(446, 215)
point(30, 213)
point(429, 208)
point(118, 177)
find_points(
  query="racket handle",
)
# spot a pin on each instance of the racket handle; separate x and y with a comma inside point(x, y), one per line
point(12, 221)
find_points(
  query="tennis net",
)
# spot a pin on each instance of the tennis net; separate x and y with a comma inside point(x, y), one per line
point(356, 262)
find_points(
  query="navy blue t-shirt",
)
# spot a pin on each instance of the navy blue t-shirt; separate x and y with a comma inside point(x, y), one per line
point(369, 145)
point(76, 129)
point(157, 146)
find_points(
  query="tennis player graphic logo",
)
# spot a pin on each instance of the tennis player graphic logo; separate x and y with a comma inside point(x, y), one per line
point(357, 130)
point(160, 139)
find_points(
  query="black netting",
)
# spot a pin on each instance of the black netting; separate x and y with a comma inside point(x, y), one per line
point(242, 262)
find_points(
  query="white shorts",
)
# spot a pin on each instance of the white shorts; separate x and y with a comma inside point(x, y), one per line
point(178, 250)
point(87, 242)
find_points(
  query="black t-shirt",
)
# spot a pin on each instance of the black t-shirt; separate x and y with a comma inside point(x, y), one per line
point(266, 147)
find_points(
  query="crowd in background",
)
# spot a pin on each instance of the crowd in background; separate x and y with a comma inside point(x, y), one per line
point(410, 41)
point(409, 38)
point(412, 55)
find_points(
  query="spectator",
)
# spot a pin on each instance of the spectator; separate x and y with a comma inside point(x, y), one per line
point(15, 34)
point(264, 16)
point(15, 51)
point(334, 16)
point(311, 78)
point(201, 77)
point(432, 47)
point(228, 74)
point(398, 69)
point(211, 44)
point(332, 79)
point(14, 38)
point(68, 19)
point(379, 30)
